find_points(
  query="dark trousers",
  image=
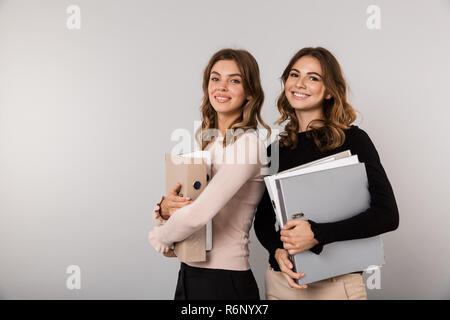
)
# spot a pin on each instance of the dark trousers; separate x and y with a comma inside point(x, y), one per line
point(215, 284)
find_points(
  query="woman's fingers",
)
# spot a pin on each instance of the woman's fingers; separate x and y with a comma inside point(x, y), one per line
point(287, 239)
point(289, 243)
point(293, 284)
point(181, 199)
point(292, 274)
point(287, 263)
point(170, 254)
point(289, 235)
point(286, 267)
point(287, 246)
point(178, 203)
point(292, 249)
point(290, 224)
point(295, 251)
point(174, 206)
point(181, 204)
point(175, 198)
point(176, 189)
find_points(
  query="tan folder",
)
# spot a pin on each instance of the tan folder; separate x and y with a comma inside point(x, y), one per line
point(192, 174)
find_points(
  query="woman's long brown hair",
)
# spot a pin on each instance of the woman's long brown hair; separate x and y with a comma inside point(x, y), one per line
point(328, 133)
point(251, 109)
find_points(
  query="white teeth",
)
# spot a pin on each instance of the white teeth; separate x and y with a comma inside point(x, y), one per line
point(300, 95)
point(222, 98)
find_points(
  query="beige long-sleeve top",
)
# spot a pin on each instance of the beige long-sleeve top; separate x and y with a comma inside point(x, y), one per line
point(230, 200)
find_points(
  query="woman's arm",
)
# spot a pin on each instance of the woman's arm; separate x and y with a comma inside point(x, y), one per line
point(264, 225)
point(223, 186)
point(265, 219)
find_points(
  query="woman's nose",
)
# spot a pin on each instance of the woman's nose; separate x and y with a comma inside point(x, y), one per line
point(221, 85)
point(300, 82)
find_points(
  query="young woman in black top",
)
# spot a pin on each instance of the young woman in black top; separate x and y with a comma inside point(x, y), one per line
point(319, 119)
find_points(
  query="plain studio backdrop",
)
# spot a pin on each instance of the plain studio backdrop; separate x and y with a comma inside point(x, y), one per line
point(91, 91)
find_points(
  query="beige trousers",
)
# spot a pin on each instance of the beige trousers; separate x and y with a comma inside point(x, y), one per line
point(346, 287)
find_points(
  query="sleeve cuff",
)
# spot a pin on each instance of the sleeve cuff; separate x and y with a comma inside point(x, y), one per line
point(156, 243)
point(317, 249)
point(273, 249)
point(156, 218)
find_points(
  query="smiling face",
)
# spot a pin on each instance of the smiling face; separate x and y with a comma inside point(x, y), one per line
point(225, 89)
point(304, 87)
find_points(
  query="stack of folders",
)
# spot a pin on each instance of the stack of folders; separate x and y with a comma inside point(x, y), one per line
point(193, 172)
point(327, 190)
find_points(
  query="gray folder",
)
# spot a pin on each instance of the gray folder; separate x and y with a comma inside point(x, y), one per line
point(329, 196)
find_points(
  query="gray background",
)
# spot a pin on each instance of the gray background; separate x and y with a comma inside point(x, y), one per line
point(86, 117)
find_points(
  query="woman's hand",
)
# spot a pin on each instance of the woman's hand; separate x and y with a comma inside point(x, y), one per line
point(297, 236)
point(173, 202)
point(170, 254)
point(281, 255)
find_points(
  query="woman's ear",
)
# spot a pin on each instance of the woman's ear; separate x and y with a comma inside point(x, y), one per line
point(249, 98)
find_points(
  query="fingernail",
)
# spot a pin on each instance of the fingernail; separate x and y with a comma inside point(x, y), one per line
point(301, 274)
point(188, 198)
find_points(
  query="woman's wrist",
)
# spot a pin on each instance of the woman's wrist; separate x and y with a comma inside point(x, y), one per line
point(278, 251)
point(318, 247)
point(315, 230)
point(164, 212)
point(160, 208)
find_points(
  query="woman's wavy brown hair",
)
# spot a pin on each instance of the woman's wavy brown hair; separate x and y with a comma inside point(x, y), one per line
point(328, 133)
point(251, 109)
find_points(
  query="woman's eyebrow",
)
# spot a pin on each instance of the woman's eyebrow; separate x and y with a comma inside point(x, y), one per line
point(230, 75)
point(312, 72)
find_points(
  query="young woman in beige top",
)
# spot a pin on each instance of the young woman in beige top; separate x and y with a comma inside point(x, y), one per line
point(233, 98)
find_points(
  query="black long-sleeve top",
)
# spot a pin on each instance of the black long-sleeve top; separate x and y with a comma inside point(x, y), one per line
point(381, 217)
